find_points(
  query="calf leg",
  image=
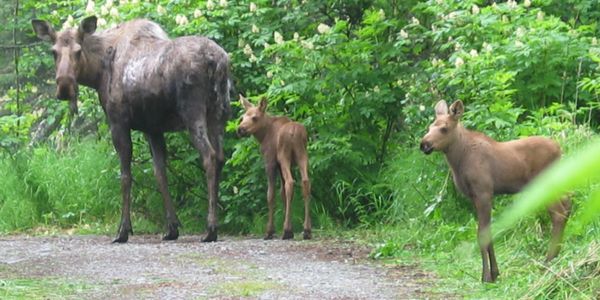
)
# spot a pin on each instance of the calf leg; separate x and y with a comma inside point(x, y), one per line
point(288, 181)
point(159, 152)
point(121, 138)
point(559, 213)
point(303, 164)
point(483, 207)
point(270, 200)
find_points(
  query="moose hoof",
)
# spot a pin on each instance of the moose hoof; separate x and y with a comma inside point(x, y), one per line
point(269, 236)
point(171, 236)
point(173, 233)
point(307, 235)
point(123, 234)
point(211, 236)
point(287, 235)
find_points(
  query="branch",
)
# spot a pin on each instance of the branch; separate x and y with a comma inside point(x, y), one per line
point(20, 46)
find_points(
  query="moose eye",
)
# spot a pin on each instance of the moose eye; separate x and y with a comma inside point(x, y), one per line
point(54, 54)
point(444, 130)
point(254, 119)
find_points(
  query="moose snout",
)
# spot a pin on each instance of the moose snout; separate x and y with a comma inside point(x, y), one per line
point(426, 147)
point(65, 88)
point(241, 132)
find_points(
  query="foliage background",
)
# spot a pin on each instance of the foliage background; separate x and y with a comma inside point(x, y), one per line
point(363, 76)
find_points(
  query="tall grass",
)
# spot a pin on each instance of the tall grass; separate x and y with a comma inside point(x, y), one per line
point(17, 210)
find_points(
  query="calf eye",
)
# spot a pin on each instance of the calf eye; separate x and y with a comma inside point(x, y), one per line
point(444, 130)
point(254, 119)
point(54, 53)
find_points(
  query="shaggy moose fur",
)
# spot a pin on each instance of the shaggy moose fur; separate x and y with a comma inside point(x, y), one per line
point(148, 82)
point(482, 167)
point(282, 143)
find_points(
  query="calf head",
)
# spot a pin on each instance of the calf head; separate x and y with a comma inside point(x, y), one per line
point(442, 132)
point(68, 59)
point(254, 117)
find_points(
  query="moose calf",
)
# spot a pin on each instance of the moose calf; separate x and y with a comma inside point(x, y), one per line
point(282, 143)
point(482, 167)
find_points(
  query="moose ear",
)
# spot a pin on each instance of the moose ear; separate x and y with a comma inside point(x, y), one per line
point(43, 30)
point(245, 103)
point(263, 104)
point(441, 108)
point(457, 109)
point(88, 25)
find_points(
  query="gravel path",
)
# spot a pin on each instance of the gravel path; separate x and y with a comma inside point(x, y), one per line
point(233, 268)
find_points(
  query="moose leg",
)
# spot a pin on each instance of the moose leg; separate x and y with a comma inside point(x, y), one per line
point(483, 207)
point(270, 199)
point(303, 163)
point(122, 142)
point(159, 153)
point(559, 213)
point(198, 131)
point(493, 263)
point(288, 182)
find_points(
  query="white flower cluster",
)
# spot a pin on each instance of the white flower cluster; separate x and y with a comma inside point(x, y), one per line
point(403, 34)
point(161, 10)
point(69, 23)
point(278, 38)
point(90, 8)
point(181, 20)
point(459, 62)
point(323, 28)
point(249, 52)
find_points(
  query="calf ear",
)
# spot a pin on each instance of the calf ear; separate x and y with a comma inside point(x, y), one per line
point(88, 26)
point(441, 108)
point(245, 103)
point(457, 109)
point(43, 30)
point(263, 104)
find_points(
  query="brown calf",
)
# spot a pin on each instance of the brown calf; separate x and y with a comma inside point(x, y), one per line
point(282, 143)
point(482, 167)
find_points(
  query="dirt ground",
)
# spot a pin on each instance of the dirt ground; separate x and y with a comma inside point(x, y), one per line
point(232, 268)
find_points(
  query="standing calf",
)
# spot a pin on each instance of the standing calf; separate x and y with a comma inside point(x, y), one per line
point(282, 143)
point(482, 167)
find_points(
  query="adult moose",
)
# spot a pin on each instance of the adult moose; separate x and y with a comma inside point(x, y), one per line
point(482, 167)
point(148, 82)
point(282, 143)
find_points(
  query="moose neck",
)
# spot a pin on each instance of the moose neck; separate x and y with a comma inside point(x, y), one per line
point(266, 131)
point(90, 69)
point(459, 148)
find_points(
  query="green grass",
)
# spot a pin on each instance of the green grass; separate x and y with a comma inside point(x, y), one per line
point(243, 288)
point(44, 288)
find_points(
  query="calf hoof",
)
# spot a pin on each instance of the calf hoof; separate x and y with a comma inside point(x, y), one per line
point(269, 236)
point(288, 235)
point(488, 278)
point(307, 235)
point(211, 236)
